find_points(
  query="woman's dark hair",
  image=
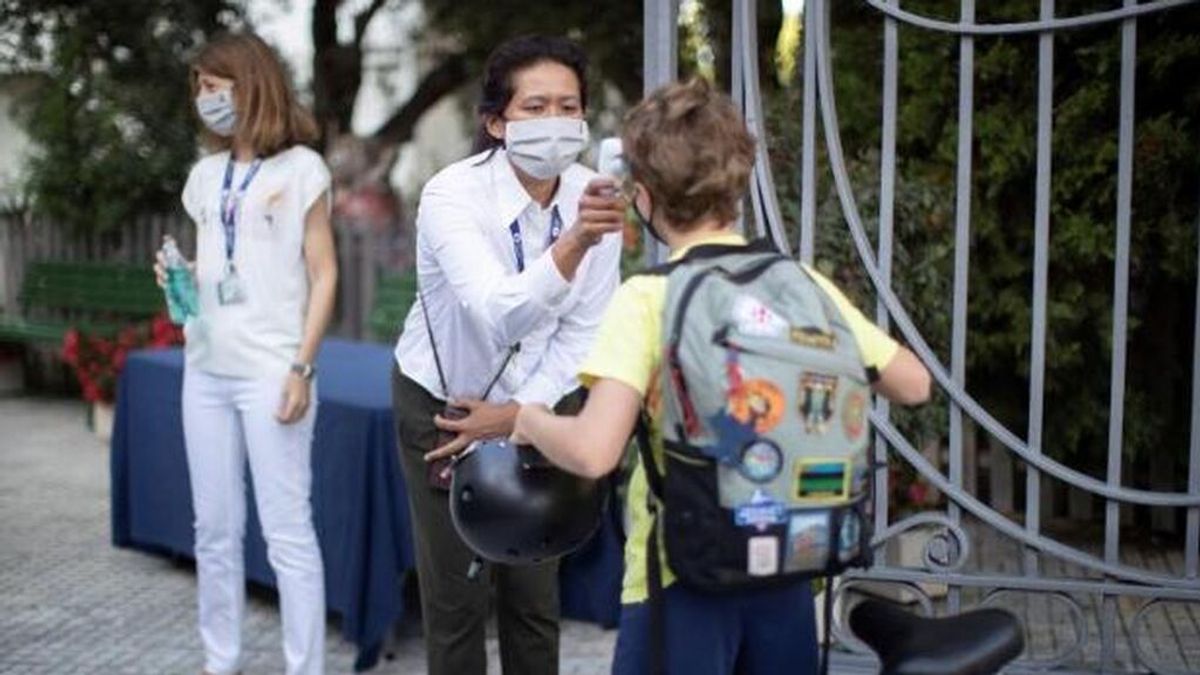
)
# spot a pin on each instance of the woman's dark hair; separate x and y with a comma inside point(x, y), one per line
point(512, 56)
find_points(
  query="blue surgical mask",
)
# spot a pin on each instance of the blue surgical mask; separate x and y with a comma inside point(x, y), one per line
point(217, 112)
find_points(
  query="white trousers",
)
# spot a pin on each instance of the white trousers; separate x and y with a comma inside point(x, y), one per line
point(225, 422)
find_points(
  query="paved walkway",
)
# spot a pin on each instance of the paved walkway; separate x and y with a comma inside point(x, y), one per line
point(72, 603)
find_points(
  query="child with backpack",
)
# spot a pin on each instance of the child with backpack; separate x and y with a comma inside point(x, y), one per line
point(747, 378)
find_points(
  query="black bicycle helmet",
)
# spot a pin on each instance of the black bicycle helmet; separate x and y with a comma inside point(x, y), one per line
point(512, 506)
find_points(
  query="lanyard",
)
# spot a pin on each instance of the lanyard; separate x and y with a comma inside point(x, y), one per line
point(519, 250)
point(230, 207)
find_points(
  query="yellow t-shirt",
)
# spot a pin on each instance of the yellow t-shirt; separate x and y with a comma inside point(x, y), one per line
point(627, 349)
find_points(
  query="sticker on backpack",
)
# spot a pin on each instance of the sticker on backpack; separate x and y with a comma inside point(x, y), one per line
point(822, 480)
point(759, 403)
point(813, 337)
point(848, 538)
point(752, 317)
point(808, 541)
point(854, 414)
point(761, 512)
point(762, 460)
point(762, 556)
point(817, 393)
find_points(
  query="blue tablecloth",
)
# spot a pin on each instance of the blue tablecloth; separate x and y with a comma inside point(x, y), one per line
point(359, 504)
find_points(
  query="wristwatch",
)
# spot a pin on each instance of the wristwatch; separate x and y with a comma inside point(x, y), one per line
point(304, 370)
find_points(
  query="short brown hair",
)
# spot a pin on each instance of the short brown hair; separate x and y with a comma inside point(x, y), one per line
point(687, 143)
point(269, 117)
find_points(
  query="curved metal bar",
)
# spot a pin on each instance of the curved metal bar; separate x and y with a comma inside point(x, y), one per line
point(1078, 621)
point(1135, 644)
point(762, 187)
point(833, 144)
point(961, 28)
point(1011, 529)
point(955, 555)
point(1057, 584)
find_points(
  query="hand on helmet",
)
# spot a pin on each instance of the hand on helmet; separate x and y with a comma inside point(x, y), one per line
point(483, 420)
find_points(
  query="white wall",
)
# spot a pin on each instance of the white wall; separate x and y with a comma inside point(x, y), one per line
point(14, 143)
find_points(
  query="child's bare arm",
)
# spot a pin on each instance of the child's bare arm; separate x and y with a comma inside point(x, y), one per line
point(904, 379)
point(591, 443)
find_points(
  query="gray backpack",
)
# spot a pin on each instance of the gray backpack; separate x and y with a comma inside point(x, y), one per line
point(764, 425)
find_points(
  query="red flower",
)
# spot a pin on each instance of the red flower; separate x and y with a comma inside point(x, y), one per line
point(908, 490)
point(70, 350)
point(128, 337)
point(918, 492)
point(163, 333)
point(98, 361)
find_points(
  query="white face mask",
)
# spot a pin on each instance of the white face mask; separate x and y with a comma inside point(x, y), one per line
point(545, 146)
point(217, 112)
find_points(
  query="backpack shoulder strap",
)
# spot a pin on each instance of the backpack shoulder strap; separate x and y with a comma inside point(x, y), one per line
point(657, 657)
point(642, 434)
point(706, 251)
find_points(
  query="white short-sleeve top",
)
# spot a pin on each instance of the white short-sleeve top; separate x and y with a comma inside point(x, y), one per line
point(259, 337)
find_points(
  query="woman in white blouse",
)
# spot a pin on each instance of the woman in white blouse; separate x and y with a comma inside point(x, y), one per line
point(517, 256)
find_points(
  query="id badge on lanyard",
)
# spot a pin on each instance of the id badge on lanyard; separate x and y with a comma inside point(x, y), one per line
point(514, 229)
point(230, 290)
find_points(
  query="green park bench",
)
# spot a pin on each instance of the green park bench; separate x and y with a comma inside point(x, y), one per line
point(393, 296)
point(97, 298)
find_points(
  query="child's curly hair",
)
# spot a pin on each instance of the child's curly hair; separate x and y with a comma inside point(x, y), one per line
point(688, 144)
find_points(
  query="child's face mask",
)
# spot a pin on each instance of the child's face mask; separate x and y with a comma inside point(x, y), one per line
point(217, 112)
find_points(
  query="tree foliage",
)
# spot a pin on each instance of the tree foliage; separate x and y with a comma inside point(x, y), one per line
point(459, 36)
point(111, 119)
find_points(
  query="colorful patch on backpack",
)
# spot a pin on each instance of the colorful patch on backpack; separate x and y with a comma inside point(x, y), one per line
point(758, 402)
point(752, 317)
point(858, 484)
point(817, 394)
point(822, 480)
point(808, 542)
point(761, 512)
point(812, 337)
point(854, 415)
point(849, 537)
point(762, 556)
point(761, 461)
point(732, 436)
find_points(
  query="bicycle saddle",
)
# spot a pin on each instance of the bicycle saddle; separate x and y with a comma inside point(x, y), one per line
point(974, 643)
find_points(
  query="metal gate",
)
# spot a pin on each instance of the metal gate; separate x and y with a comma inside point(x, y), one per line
point(1099, 581)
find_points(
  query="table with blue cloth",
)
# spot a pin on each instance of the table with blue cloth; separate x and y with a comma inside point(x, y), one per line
point(360, 507)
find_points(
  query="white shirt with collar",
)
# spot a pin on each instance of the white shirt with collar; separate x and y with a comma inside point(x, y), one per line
point(479, 304)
